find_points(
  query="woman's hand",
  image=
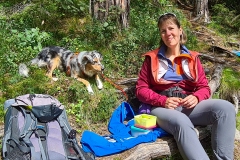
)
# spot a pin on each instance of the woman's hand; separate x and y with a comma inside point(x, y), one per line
point(173, 102)
point(190, 101)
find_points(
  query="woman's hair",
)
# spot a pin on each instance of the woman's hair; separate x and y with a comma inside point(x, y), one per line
point(172, 18)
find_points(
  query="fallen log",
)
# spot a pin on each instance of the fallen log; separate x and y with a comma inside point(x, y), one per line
point(127, 81)
point(234, 44)
point(215, 79)
point(212, 59)
point(162, 147)
point(222, 50)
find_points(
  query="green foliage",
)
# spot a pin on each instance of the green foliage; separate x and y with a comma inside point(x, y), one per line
point(88, 109)
point(231, 4)
point(105, 107)
point(238, 121)
point(21, 47)
point(125, 58)
point(34, 14)
point(229, 83)
point(99, 34)
point(32, 38)
point(72, 7)
point(13, 85)
point(238, 59)
point(78, 111)
point(192, 42)
point(222, 22)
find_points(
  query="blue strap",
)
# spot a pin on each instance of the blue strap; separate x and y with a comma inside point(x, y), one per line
point(116, 124)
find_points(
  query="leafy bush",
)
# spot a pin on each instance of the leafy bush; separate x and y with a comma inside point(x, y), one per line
point(222, 22)
point(22, 46)
point(229, 83)
point(230, 4)
point(72, 7)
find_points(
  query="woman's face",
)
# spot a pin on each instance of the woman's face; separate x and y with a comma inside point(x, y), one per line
point(170, 34)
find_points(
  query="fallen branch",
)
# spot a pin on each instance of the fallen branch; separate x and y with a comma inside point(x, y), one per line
point(222, 50)
point(185, 6)
point(215, 79)
point(212, 59)
point(127, 81)
point(234, 44)
point(235, 101)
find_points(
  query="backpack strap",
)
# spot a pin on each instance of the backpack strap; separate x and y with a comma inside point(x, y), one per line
point(11, 130)
point(64, 124)
point(43, 153)
point(14, 136)
point(23, 148)
point(12, 114)
point(30, 127)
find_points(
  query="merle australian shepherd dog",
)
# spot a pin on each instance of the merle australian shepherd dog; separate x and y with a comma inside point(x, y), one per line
point(77, 65)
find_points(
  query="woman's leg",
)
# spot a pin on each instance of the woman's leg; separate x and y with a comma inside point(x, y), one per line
point(221, 115)
point(182, 129)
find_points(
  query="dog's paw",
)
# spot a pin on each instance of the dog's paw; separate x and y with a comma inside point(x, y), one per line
point(54, 79)
point(90, 90)
point(99, 84)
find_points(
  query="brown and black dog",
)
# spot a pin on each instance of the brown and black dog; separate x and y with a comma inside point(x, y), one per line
point(76, 65)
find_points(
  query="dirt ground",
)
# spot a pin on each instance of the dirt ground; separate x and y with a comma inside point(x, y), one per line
point(237, 150)
point(207, 145)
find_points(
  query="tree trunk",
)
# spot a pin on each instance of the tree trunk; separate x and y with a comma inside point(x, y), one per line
point(105, 9)
point(201, 10)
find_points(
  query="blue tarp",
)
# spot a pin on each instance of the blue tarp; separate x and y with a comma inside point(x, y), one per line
point(120, 138)
point(236, 52)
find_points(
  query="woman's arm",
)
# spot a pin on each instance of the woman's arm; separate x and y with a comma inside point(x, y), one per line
point(144, 84)
point(202, 90)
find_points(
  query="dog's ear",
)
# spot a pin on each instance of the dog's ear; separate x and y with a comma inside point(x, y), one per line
point(53, 53)
point(97, 54)
point(86, 59)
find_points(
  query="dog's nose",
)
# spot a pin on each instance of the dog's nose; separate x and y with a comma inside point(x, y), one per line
point(102, 68)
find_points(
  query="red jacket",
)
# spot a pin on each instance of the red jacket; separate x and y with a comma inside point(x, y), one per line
point(148, 83)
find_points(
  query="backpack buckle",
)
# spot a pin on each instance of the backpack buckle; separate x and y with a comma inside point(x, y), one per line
point(23, 135)
point(72, 134)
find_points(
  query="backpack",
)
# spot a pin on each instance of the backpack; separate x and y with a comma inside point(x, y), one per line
point(36, 127)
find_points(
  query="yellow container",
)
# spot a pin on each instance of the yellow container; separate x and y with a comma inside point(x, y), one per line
point(145, 120)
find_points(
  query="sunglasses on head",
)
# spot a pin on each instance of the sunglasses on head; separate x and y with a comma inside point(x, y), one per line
point(167, 14)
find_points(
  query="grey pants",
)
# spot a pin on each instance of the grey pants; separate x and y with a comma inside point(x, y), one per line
point(180, 123)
